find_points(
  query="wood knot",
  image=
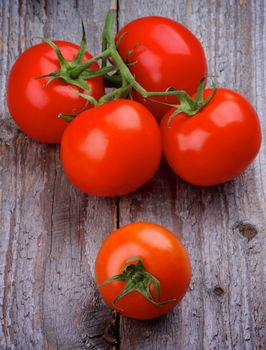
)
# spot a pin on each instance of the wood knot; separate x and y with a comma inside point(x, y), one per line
point(247, 230)
point(218, 291)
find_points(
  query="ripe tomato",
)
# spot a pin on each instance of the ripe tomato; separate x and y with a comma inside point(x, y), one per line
point(217, 144)
point(113, 149)
point(167, 55)
point(162, 256)
point(34, 107)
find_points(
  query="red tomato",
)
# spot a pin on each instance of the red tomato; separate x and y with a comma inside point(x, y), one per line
point(217, 144)
point(113, 149)
point(163, 256)
point(167, 55)
point(34, 107)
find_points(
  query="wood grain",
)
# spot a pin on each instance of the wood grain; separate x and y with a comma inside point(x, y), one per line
point(50, 233)
point(223, 228)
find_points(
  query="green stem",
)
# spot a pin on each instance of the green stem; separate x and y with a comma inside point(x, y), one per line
point(125, 73)
point(75, 72)
point(117, 93)
point(108, 26)
point(122, 67)
point(89, 74)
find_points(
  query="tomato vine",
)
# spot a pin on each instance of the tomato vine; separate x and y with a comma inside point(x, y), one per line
point(117, 75)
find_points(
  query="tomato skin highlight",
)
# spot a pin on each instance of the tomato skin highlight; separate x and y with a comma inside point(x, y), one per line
point(167, 55)
point(217, 144)
point(163, 256)
point(113, 149)
point(34, 107)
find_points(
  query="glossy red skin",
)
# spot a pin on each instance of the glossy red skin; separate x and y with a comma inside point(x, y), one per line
point(162, 254)
point(217, 144)
point(167, 55)
point(34, 107)
point(113, 149)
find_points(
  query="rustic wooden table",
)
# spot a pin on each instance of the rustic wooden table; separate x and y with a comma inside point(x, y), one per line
point(50, 232)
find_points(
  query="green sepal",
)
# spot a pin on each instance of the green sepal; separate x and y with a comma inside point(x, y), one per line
point(120, 92)
point(74, 72)
point(131, 64)
point(130, 52)
point(63, 62)
point(89, 74)
point(66, 117)
point(69, 117)
point(137, 279)
point(53, 74)
point(82, 47)
point(118, 42)
point(200, 91)
point(87, 97)
point(189, 106)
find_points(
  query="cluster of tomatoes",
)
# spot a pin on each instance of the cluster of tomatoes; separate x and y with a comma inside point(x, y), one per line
point(111, 144)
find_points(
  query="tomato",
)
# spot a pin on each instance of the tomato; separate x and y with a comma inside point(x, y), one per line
point(163, 258)
point(34, 107)
point(215, 145)
point(167, 55)
point(113, 149)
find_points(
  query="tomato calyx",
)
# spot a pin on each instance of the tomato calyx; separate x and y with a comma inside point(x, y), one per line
point(187, 105)
point(137, 279)
point(75, 72)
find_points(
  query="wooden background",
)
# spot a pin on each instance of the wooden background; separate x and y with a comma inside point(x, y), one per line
point(50, 232)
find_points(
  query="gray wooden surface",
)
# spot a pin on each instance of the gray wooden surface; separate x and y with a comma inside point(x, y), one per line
point(50, 233)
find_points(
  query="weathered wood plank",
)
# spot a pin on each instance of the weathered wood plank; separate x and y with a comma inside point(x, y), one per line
point(223, 227)
point(50, 233)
